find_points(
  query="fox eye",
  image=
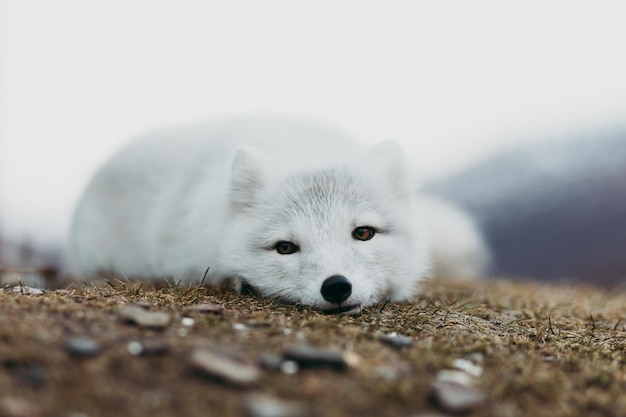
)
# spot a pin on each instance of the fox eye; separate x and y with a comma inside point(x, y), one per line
point(286, 248)
point(363, 233)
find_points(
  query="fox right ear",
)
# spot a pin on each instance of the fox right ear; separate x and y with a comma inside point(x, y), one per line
point(247, 176)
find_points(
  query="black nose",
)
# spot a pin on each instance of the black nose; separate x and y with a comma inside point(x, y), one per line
point(336, 289)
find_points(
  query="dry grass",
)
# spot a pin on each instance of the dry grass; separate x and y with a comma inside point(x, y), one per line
point(547, 351)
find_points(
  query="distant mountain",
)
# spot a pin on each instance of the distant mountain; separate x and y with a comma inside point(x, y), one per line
point(554, 211)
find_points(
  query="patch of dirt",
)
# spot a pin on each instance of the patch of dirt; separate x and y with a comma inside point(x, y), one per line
point(505, 348)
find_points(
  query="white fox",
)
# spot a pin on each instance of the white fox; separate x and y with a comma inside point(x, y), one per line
point(293, 211)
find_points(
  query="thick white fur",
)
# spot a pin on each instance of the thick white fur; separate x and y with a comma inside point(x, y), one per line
point(457, 248)
point(221, 196)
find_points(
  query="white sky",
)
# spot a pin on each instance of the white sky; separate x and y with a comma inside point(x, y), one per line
point(453, 81)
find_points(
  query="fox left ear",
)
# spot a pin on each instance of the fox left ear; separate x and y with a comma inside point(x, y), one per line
point(389, 157)
point(248, 176)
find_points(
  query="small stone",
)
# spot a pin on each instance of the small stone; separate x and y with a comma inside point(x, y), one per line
point(84, 347)
point(468, 367)
point(147, 347)
point(225, 368)
point(207, 308)
point(477, 358)
point(144, 318)
point(260, 405)
point(353, 359)
point(188, 321)
point(455, 398)
point(456, 377)
point(309, 357)
point(134, 348)
point(289, 367)
point(396, 340)
point(24, 290)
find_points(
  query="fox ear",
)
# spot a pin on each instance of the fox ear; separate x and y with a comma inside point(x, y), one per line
point(388, 156)
point(247, 176)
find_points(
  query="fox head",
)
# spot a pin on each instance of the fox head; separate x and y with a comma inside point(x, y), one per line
point(336, 238)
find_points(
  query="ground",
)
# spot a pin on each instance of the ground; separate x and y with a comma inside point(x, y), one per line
point(513, 348)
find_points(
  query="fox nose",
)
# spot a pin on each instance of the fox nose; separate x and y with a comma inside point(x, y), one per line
point(336, 289)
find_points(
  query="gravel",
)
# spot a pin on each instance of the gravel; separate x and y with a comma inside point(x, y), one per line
point(133, 314)
point(310, 357)
point(225, 368)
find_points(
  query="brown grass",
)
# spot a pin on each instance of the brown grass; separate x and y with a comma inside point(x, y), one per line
point(547, 351)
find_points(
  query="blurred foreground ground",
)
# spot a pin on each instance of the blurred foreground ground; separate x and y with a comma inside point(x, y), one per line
point(479, 349)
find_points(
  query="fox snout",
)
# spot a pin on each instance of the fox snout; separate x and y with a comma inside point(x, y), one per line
point(336, 289)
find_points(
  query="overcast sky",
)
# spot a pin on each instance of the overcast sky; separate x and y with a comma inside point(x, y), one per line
point(454, 81)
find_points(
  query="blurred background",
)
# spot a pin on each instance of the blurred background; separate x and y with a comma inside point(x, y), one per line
point(517, 112)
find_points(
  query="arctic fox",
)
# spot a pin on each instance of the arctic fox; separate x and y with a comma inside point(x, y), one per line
point(291, 210)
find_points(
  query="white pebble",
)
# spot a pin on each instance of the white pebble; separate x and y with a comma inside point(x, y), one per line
point(289, 367)
point(455, 377)
point(468, 367)
point(23, 289)
point(134, 348)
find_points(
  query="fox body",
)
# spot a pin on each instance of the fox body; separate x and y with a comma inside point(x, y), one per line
point(295, 211)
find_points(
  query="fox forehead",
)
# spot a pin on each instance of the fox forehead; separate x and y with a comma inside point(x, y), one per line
point(327, 189)
point(328, 201)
